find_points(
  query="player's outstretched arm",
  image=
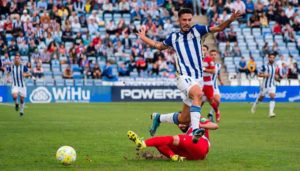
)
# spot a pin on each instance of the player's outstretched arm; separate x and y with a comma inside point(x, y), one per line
point(220, 79)
point(158, 45)
point(211, 71)
point(264, 75)
point(235, 15)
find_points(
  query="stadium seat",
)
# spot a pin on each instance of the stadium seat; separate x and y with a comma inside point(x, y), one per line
point(49, 82)
point(39, 82)
point(59, 82)
point(79, 82)
point(88, 82)
point(98, 82)
point(69, 82)
point(29, 82)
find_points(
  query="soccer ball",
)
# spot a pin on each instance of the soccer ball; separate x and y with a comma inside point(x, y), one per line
point(66, 155)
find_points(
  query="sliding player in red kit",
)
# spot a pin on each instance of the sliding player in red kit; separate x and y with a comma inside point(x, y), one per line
point(178, 147)
point(208, 89)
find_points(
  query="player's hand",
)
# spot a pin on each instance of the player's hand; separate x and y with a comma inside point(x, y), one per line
point(221, 82)
point(142, 32)
point(267, 75)
point(235, 15)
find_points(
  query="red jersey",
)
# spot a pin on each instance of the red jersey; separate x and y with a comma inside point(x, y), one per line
point(208, 63)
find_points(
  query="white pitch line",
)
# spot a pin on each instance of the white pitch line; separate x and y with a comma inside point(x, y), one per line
point(11, 105)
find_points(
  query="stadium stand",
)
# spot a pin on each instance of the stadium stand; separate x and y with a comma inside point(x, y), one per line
point(267, 26)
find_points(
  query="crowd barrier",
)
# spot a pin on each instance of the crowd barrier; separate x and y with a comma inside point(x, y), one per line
point(88, 94)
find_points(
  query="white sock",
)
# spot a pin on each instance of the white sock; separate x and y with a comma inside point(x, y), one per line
point(22, 107)
point(272, 106)
point(167, 118)
point(212, 111)
point(256, 102)
point(195, 116)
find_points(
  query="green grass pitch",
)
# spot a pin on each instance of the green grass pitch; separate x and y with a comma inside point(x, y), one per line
point(244, 141)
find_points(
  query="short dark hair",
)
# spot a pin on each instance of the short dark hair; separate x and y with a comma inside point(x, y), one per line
point(206, 47)
point(272, 53)
point(213, 50)
point(184, 11)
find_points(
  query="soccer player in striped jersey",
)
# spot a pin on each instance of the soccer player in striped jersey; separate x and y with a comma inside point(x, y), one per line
point(18, 72)
point(216, 75)
point(268, 72)
point(187, 44)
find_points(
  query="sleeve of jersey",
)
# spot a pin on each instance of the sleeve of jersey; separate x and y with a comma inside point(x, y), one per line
point(168, 41)
point(25, 69)
point(202, 29)
point(262, 69)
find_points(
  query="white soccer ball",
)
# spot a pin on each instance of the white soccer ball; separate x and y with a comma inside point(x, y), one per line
point(66, 155)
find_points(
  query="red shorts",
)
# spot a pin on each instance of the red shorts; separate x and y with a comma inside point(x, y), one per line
point(208, 91)
point(189, 150)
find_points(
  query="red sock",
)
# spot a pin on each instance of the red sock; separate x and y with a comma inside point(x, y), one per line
point(159, 141)
point(165, 150)
point(215, 105)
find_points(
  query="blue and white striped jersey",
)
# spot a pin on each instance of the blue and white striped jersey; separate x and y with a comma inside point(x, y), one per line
point(17, 75)
point(188, 50)
point(215, 75)
point(271, 70)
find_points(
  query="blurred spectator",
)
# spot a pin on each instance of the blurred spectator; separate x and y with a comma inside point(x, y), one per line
point(289, 34)
point(291, 61)
point(283, 71)
point(263, 20)
point(90, 50)
point(231, 35)
point(76, 26)
point(254, 21)
point(243, 66)
point(68, 73)
point(252, 67)
point(29, 67)
point(249, 9)
point(127, 43)
point(96, 72)
point(280, 61)
point(282, 19)
point(236, 51)
point(294, 71)
point(107, 74)
point(12, 48)
point(265, 49)
point(123, 70)
point(289, 11)
point(38, 71)
point(277, 28)
point(227, 51)
point(1, 69)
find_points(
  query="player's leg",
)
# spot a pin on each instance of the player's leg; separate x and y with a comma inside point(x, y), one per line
point(161, 143)
point(272, 95)
point(217, 99)
point(195, 93)
point(14, 92)
point(259, 99)
point(22, 100)
point(209, 93)
point(176, 118)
